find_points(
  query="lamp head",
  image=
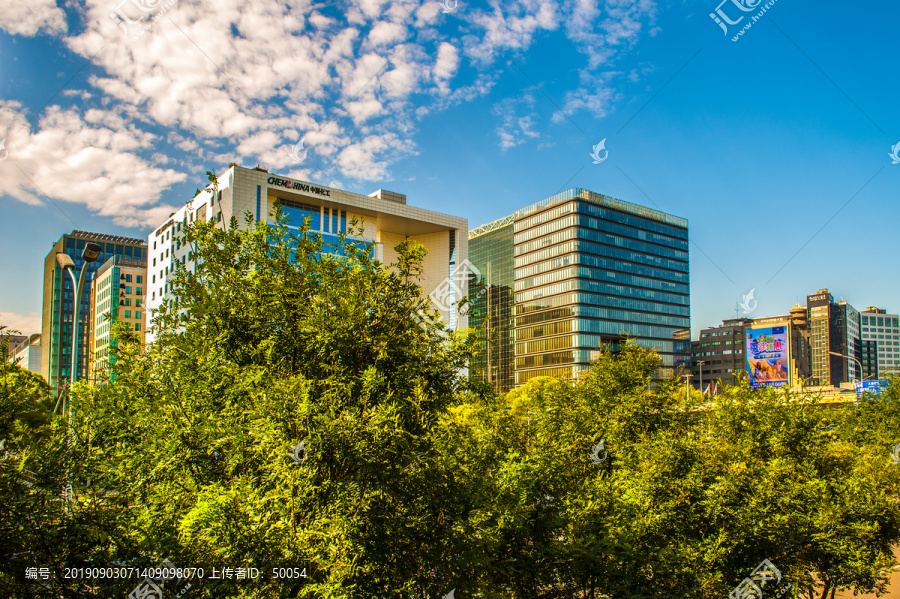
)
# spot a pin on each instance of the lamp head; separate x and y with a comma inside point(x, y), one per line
point(65, 261)
point(91, 252)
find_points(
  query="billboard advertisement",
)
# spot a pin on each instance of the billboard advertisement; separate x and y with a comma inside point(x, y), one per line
point(768, 356)
point(873, 387)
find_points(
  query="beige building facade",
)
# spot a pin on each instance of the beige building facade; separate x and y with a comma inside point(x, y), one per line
point(385, 217)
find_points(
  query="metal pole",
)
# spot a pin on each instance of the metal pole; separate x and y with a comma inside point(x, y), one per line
point(77, 290)
point(68, 400)
point(860, 367)
point(834, 353)
point(701, 363)
point(74, 324)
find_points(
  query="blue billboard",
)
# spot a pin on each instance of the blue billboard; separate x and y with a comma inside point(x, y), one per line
point(873, 387)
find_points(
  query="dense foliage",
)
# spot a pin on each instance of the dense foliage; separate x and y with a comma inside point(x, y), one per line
point(411, 481)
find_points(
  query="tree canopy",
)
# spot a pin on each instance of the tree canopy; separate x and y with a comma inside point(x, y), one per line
point(294, 412)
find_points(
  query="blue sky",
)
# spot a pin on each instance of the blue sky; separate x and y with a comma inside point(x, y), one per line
point(775, 147)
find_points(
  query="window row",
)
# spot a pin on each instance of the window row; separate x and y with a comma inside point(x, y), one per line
point(601, 300)
point(605, 313)
point(588, 207)
point(583, 325)
point(599, 236)
point(581, 246)
point(597, 287)
point(582, 220)
point(598, 262)
point(600, 275)
point(591, 342)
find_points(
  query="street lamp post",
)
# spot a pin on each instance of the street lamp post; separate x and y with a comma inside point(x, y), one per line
point(89, 254)
point(701, 363)
point(834, 353)
point(687, 386)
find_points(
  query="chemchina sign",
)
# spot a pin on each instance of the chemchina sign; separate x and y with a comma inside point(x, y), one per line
point(288, 184)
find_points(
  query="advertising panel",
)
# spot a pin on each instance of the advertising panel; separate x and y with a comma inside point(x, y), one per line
point(873, 387)
point(768, 356)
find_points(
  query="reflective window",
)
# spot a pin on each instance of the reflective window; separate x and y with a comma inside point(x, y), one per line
point(296, 213)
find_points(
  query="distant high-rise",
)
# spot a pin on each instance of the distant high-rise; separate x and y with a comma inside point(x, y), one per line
point(57, 326)
point(846, 325)
point(881, 343)
point(589, 271)
point(117, 295)
point(833, 329)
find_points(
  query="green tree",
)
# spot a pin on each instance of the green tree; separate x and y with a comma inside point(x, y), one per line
point(687, 502)
point(272, 341)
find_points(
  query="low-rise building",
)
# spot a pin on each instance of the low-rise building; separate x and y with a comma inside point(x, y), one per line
point(27, 352)
point(720, 354)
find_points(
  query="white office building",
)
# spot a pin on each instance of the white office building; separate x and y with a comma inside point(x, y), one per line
point(385, 216)
point(881, 342)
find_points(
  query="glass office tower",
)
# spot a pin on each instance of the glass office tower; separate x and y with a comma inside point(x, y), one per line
point(591, 271)
point(491, 300)
point(57, 326)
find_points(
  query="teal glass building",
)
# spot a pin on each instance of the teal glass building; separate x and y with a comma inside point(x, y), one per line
point(491, 303)
point(589, 271)
point(57, 319)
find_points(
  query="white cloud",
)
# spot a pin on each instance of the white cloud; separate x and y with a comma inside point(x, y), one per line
point(383, 34)
point(369, 158)
point(445, 66)
point(27, 17)
point(79, 161)
point(510, 25)
point(349, 79)
point(26, 324)
point(515, 130)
